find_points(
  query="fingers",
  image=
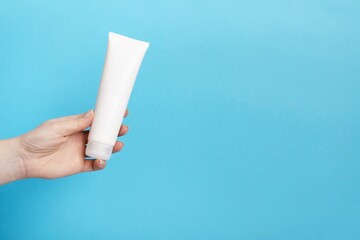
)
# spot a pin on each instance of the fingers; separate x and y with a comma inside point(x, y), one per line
point(73, 124)
point(118, 146)
point(123, 130)
point(93, 165)
point(99, 164)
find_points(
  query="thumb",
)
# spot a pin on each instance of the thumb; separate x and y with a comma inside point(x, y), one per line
point(76, 123)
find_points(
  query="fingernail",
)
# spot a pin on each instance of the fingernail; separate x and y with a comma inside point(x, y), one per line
point(88, 113)
point(101, 162)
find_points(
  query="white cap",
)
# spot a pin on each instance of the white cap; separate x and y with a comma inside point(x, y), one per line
point(98, 150)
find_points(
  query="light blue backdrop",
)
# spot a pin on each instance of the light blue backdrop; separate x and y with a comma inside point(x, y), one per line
point(244, 123)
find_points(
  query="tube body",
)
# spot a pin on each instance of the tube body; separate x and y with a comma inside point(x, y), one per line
point(123, 59)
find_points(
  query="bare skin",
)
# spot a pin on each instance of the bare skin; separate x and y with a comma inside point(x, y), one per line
point(54, 149)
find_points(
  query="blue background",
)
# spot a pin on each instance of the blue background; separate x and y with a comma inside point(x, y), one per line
point(244, 120)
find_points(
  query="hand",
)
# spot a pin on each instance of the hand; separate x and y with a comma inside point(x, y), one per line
point(56, 148)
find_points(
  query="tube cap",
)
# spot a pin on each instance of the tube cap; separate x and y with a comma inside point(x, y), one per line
point(98, 150)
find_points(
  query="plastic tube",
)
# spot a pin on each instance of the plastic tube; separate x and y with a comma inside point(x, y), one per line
point(123, 59)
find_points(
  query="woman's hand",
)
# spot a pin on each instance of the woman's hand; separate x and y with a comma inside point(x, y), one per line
point(54, 149)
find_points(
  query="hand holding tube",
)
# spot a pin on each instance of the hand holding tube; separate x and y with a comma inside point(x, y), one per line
point(54, 149)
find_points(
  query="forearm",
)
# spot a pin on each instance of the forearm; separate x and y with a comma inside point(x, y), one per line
point(11, 165)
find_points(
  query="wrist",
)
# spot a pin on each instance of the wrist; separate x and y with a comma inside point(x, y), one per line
point(11, 163)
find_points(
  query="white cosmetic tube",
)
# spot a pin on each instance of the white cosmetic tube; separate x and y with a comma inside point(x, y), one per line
point(123, 59)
